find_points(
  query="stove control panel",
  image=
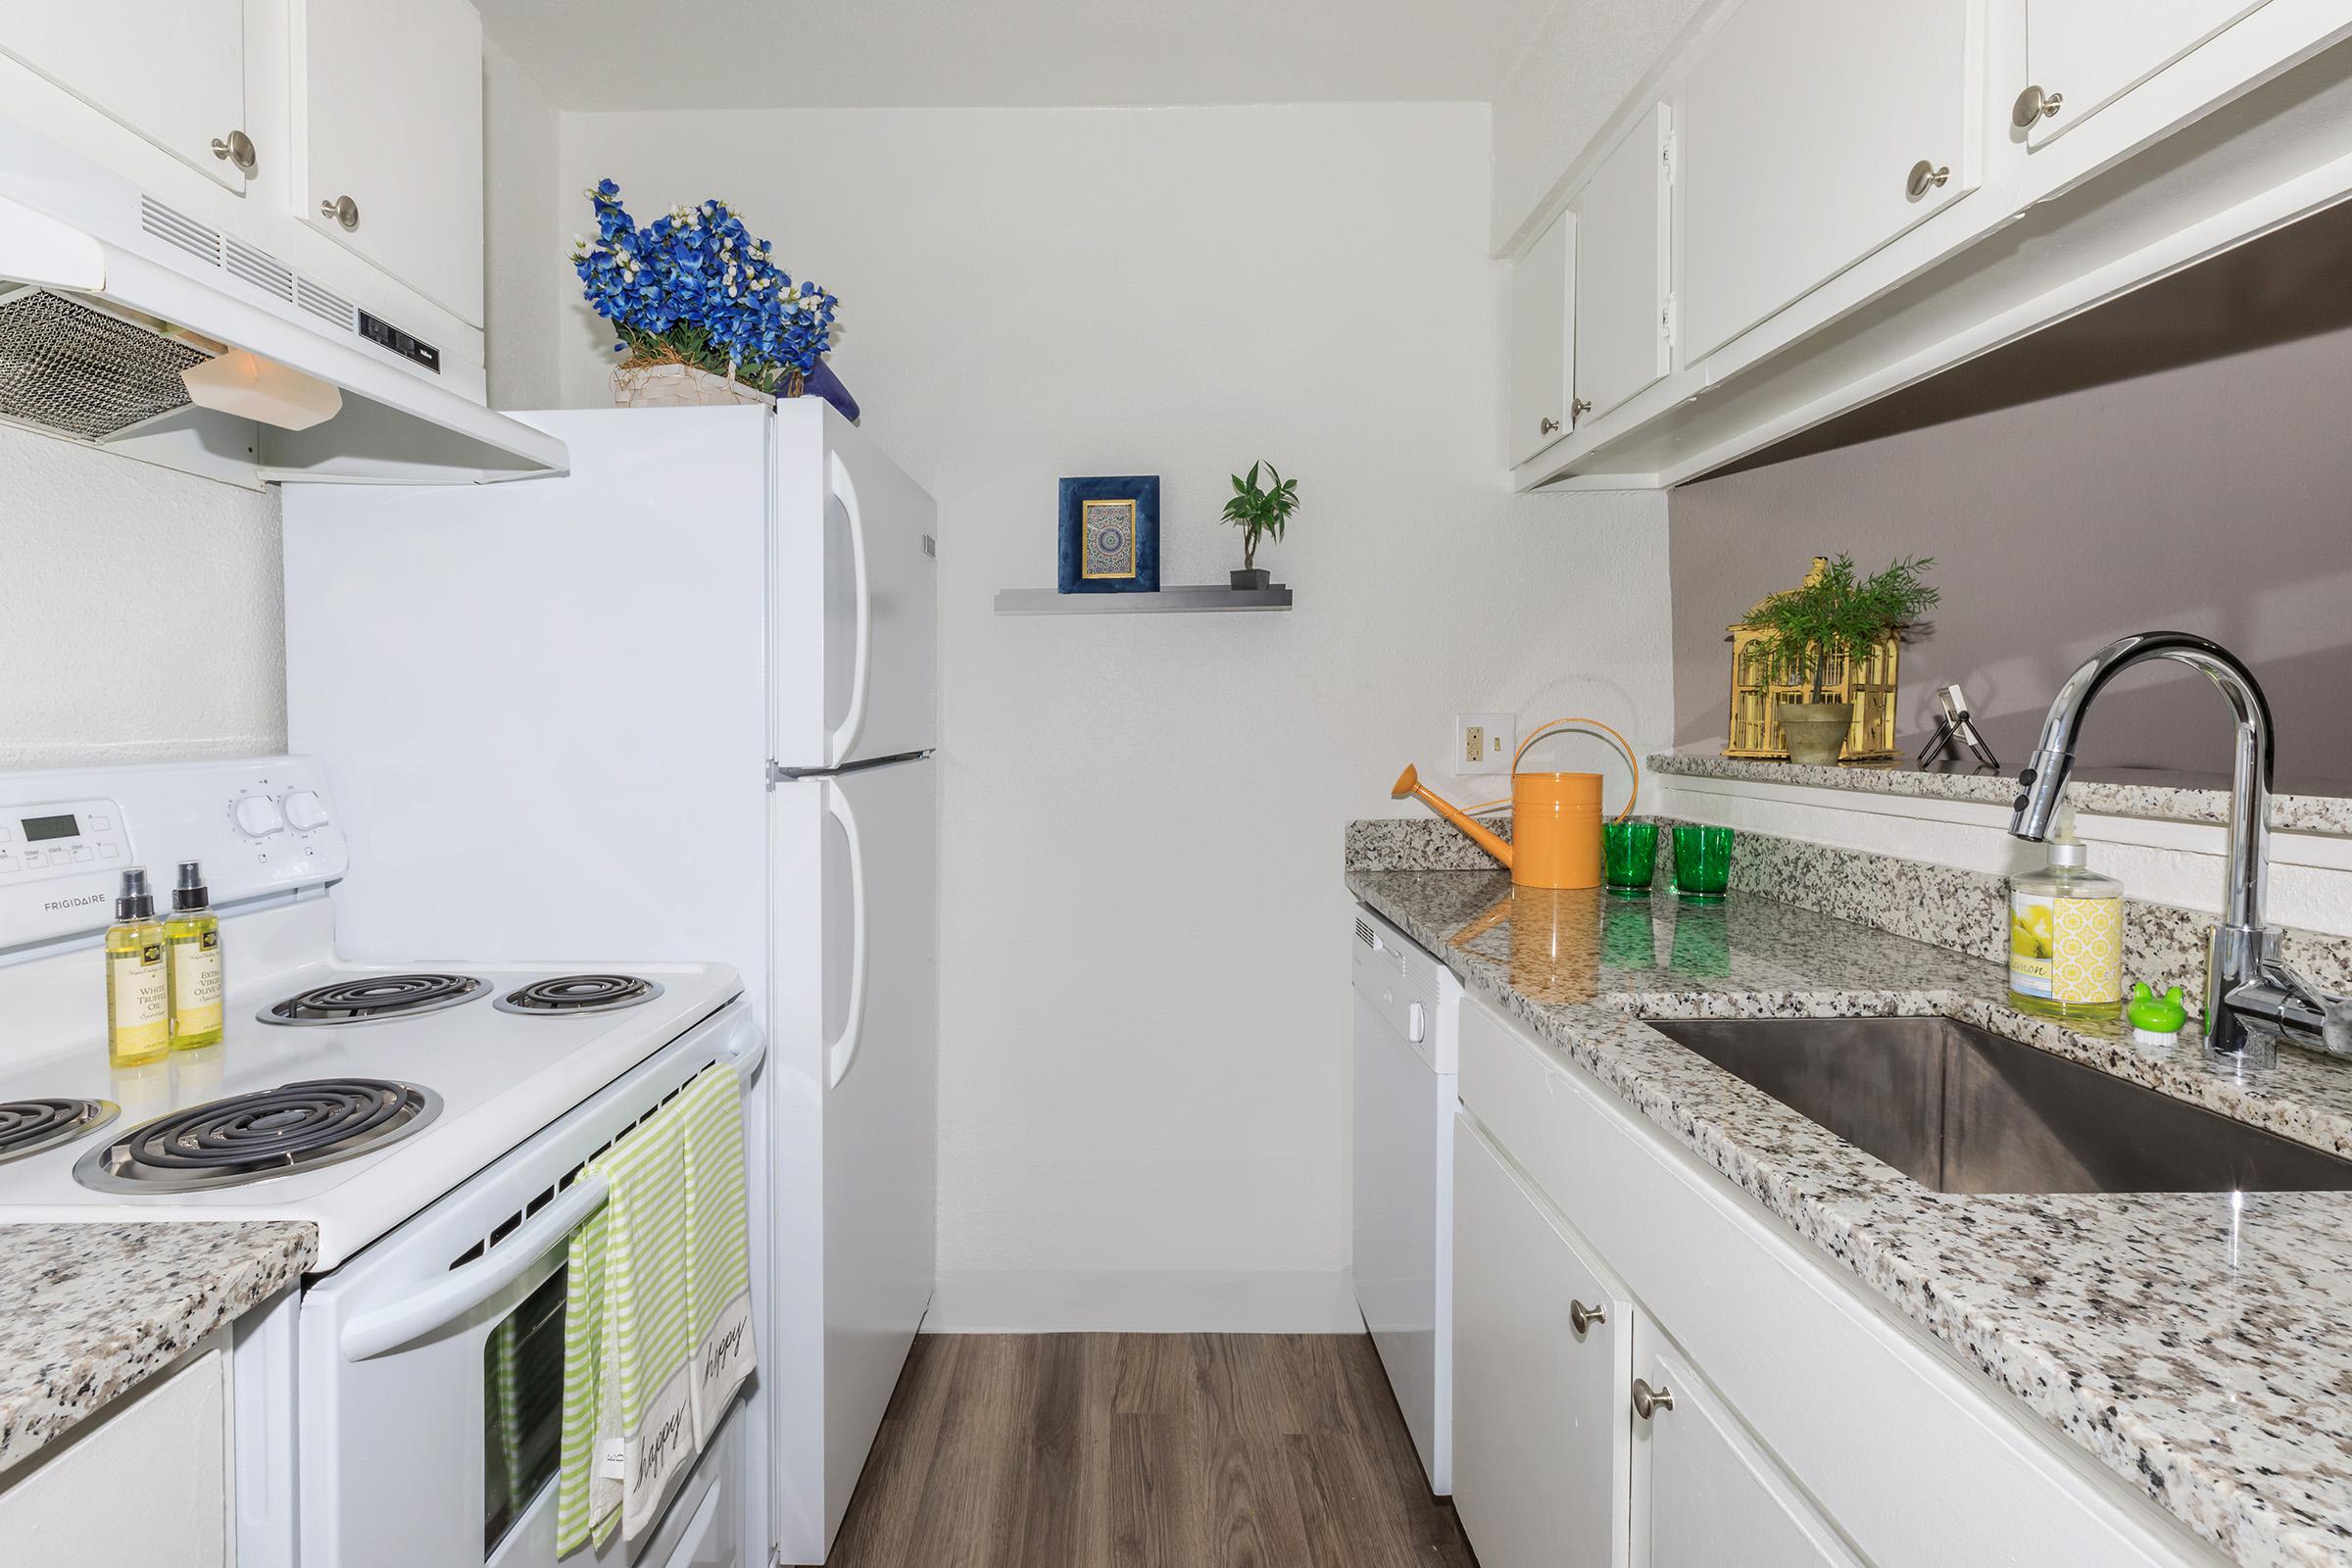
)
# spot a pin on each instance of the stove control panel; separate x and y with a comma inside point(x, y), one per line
point(259, 826)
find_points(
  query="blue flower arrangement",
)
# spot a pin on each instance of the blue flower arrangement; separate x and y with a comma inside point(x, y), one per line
point(693, 287)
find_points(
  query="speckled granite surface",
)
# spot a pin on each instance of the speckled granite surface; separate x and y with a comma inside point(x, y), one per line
point(2200, 1347)
point(2304, 813)
point(89, 1312)
point(1941, 904)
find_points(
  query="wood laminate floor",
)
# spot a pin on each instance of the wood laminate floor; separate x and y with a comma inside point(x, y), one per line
point(1145, 1450)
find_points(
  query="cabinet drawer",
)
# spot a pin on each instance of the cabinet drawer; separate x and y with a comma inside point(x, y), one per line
point(1916, 1460)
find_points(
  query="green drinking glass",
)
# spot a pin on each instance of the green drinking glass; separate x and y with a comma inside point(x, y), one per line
point(1703, 862)
point(1630, 852)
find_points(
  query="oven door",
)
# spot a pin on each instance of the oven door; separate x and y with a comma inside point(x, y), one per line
point(431, 1365)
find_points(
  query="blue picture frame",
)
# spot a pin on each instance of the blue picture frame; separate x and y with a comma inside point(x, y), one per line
point(1110, 535)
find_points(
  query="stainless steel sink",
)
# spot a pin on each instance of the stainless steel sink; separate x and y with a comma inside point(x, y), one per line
point(1961, 1109)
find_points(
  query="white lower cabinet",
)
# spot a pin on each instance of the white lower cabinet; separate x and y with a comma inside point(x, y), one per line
point(1704, 1495)
point(1540, 1436)
point(146, 1483)
point(1794, 1419)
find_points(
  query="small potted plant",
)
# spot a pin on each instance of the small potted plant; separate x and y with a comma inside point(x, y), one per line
point(1835, 619)
point(701, 311)
point(1258, 513)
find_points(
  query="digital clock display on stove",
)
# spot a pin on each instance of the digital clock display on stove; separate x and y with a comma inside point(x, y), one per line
point(37, 828)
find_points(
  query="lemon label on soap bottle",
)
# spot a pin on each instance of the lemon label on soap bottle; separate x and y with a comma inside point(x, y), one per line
point(2066, 949)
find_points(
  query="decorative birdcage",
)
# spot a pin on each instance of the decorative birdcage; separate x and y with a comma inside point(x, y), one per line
point(1759, 688)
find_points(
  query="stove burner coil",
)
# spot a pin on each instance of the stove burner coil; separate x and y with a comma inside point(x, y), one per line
point(248, 1138)
point(580, 993)
point(28, 1126)
point(367, 998)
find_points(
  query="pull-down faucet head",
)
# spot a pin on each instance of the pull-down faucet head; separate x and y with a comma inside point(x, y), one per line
point(2240, 944)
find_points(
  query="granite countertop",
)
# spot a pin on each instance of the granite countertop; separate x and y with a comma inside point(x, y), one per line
point(2198, 1344)
point(87, 1312)
point(2125, 797)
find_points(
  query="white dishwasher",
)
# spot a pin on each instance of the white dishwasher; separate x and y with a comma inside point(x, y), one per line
point(1408, 1010)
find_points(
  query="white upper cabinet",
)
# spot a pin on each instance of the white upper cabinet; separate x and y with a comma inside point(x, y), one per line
point(1813, 133)
point(2083, 55)
point(1623, 268)
point(173, 71)
point(388, 139)
point(1542, 335)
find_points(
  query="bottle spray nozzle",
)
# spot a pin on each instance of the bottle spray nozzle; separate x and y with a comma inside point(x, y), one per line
point(190, 893)
point(134, 901)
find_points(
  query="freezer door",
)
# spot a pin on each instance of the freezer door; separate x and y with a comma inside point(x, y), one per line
point(854, 1069)
point(855, 590)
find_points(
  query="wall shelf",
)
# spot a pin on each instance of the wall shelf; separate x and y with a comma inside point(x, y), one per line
point(1194, 600)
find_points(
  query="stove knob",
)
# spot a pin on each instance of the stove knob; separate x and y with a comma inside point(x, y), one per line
point(305, 811)
point(257, 817)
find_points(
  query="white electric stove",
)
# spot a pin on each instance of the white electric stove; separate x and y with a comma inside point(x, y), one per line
point(430, 1119)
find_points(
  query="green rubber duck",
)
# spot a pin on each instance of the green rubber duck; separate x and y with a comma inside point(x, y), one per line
point(2156, 1020)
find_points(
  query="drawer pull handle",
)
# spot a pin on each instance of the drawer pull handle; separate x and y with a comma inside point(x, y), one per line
point(1648, 1402)
point(1582, 1317)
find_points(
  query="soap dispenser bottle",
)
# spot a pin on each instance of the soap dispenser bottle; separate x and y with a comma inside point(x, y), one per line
point(192, 939)
point(139, 1009)
point(2066, 934)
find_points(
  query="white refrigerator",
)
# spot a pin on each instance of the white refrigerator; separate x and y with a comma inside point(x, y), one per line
point(680, 703)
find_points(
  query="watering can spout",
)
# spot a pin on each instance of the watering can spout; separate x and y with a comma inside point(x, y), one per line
point(1408, 783)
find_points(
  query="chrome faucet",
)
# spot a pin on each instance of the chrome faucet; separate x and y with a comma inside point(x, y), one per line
point(2252, 996)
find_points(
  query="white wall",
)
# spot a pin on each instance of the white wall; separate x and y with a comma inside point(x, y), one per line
point(1583, 62)
point(523, 206)
point(1145, 979)
point(143, 615)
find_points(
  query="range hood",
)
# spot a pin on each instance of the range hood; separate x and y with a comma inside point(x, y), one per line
point(107, 294)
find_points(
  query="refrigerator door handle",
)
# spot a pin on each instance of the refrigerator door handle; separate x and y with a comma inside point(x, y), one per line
point(843, 1053)
point(852, 722)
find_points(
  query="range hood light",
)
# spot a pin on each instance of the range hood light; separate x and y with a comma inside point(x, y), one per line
point(247, 386)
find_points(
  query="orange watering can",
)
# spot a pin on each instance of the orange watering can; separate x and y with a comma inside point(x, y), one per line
point(1556, 817)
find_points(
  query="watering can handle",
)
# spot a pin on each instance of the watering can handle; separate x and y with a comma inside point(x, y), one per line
point(1550, 725)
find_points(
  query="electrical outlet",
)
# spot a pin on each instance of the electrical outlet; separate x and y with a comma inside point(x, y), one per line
point(1483, 743)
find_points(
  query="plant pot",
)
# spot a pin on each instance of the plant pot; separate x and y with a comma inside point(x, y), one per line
point(1816, 732)
point(1258, 577)
point(677, 387)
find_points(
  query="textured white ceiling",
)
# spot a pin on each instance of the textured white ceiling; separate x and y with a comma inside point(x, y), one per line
point(668, 54)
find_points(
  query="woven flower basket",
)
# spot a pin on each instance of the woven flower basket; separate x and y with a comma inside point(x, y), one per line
point(681, 386)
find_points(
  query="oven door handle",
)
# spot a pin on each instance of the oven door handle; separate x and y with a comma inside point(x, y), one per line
point(461, 1290)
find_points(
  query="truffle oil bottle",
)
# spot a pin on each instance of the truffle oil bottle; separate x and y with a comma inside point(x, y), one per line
point(138, 1007)
point(193, 941)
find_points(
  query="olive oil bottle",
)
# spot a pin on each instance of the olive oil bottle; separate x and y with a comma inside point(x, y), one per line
point(192, 940)
point(139, 1007)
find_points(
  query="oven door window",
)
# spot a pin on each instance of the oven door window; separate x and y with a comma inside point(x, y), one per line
point(522, 1407)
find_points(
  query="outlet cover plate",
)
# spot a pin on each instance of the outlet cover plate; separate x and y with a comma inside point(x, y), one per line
point(1496, 737)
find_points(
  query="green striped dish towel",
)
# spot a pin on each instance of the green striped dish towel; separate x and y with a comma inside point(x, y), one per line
point(719, 1243)
point(628, 1428)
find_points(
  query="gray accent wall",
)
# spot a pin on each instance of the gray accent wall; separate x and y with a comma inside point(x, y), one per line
point(2179, 459)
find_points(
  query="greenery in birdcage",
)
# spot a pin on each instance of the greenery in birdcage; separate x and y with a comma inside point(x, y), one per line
point(1836, 637)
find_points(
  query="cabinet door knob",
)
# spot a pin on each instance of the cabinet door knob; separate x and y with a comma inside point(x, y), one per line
point(1582, 1317)
point(1546, 425)
point(235, 148)
point(1648, 1402)
point(1926, 177)
point(2034, 104)
point(1580, 407)
point(343, 210)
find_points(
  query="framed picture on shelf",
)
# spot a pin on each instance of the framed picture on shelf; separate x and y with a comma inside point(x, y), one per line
point(1110, 535)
